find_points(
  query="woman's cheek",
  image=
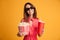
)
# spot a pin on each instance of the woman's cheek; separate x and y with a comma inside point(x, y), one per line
point(28, 12)
point(32, 11)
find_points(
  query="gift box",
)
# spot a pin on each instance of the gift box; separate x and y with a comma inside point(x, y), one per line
point(23, 28)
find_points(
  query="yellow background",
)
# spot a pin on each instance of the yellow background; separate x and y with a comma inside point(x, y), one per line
point(12, 13)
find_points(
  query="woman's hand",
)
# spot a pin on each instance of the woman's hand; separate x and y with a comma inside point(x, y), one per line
point(18, 34)
point(39, 35)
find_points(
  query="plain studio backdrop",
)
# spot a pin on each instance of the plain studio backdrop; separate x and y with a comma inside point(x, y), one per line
point(12, 13)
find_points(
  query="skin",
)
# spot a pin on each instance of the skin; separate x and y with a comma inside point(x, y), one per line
point(30, 11)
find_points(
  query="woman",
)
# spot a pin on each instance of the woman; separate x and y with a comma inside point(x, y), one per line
point(36, 26)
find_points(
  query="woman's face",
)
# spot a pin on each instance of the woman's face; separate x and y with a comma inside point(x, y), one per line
point(30, 10)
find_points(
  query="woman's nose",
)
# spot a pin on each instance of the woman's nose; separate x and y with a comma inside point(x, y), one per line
point(29, 9)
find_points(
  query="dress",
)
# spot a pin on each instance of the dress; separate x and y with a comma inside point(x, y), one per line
point(34, 30)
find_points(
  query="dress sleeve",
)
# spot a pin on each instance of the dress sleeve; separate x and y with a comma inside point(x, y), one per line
point(40, 27)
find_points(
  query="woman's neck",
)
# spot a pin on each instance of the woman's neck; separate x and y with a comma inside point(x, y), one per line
point(31, 16)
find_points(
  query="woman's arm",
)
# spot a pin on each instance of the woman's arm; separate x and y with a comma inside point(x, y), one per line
point(18, 34)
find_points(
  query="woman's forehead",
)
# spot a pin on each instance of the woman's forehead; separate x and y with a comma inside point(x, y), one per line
point(28, 6)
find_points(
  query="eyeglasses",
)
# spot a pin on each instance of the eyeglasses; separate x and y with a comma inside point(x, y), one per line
point(29, 8)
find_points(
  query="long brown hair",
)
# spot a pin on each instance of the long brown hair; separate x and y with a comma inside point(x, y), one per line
point(26, 15)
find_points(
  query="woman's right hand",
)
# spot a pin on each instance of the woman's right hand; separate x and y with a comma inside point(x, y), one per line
point(18, 34)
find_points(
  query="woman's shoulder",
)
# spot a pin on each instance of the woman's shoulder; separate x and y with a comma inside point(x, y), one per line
point(36, 18)
point(40, 20)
